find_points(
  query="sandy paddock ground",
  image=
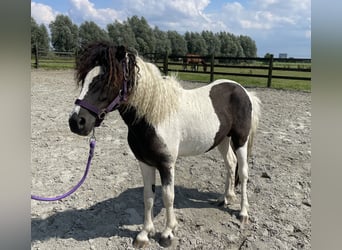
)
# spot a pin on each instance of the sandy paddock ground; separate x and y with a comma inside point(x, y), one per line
point(107, 211)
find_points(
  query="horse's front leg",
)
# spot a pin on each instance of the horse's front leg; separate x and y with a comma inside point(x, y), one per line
point(149, 178)
point(167, 178)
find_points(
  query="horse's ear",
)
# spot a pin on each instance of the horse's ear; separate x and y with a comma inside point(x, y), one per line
point(120, 52)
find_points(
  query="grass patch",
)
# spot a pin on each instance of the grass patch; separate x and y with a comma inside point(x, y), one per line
point(55, 64)
point(301, 85)
point(249, 81)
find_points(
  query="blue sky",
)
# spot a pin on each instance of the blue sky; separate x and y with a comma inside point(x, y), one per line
point(277, 26)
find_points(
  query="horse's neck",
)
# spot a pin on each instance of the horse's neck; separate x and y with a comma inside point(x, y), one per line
point(153, 96)
point(128, 115)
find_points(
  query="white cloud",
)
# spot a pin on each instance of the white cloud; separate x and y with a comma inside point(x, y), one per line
point(188, 7)
point(265, 14)
point(180, 15)
point(166, 8)
point(248, 24)
point(184, 15)
point(43, 13)
point(84, 10)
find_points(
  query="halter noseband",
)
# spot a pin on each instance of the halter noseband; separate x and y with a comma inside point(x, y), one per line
point(101, 113)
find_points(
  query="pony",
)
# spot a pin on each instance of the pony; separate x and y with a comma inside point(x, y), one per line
point(194, 60)
point(166, 121)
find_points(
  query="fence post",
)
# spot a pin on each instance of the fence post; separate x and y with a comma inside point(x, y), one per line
point(212, 60)
point(270, 68)
point(36, 55)
point(166, 64)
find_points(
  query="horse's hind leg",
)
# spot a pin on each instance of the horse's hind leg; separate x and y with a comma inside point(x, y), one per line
point(149, 177)
point(230, 162)
point(241, 154)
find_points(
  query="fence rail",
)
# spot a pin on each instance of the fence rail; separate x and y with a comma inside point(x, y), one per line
point(270, 68)
point(54, 59)
point(296, 69)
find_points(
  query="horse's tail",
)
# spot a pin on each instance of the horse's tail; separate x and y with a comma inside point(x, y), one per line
point(256, 112)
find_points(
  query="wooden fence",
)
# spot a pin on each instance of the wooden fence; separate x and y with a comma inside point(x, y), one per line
point(293, 69)
point(269, 68)
point(53, 59)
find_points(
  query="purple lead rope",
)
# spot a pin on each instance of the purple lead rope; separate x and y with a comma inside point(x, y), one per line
point(92, 143)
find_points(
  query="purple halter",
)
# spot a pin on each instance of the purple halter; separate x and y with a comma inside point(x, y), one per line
point(101, 113)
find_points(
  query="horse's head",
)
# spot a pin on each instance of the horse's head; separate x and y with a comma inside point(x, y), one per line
point(106, 74)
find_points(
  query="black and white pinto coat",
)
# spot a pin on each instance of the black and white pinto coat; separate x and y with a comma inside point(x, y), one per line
point(166, 121)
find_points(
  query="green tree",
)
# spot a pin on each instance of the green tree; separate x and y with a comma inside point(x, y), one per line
point(143, 34)
point(196, 43)
point(64, 34)
point(39, 37)
point(223, 37)
point(248, 45)
point(268, 55)
point(163, 43)
point(122, 34)
point(90, 31)
point(178, 43)
point(229, 45)
point(212, 41)
point(238, 50)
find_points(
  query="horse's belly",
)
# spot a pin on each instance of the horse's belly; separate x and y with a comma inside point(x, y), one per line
point(195, 146)
point(195, 125)
point(198, 134)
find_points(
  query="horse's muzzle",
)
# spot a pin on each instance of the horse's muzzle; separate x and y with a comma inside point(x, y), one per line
point(79, 125)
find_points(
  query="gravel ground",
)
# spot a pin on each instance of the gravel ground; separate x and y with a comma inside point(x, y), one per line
point(107, 211)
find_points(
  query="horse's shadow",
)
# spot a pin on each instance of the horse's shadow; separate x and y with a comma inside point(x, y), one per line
point(113, 217)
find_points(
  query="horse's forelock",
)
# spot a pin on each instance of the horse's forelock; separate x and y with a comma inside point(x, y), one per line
point(109, 57)
point(96, 54)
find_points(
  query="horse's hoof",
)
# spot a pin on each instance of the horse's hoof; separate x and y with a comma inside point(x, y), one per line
point(225, 201)
point(140, 243)
point(244, 220)
point(165, 242)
